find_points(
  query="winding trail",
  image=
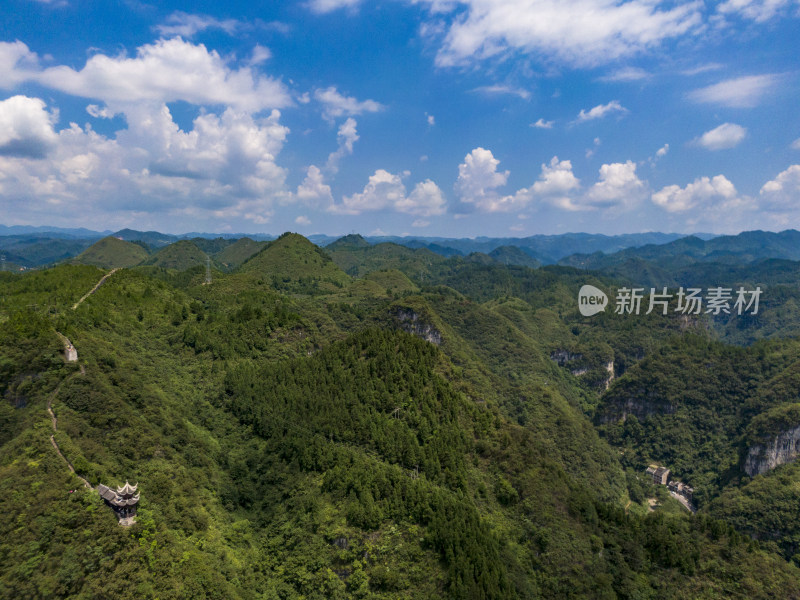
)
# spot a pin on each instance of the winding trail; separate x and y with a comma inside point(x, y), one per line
point(54, 419)
point(94, 289)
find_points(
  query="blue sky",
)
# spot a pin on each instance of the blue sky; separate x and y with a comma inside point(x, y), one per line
point(415, 117)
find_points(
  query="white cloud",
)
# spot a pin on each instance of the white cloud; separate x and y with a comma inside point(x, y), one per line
point(165, 71)
point(261, 54)
point(420, 223)
point(26, 128)
point(431, 120)
point(495, 90)
point(223, 168)
point(385, 190)
point(661, 152)
point(783, 192)
point(618, 187)
point(741, 92)
point(757, 10)
point(303, 220)
point(590, 151)
point(796, 144)
point(600, 111)
point(346, 136)
point(99, 112)
point(701, 194)
point(314, 191)
point(542, 124)
point(382, 190)
point(337, 105)
point(425, 200)
point(575, 32)
point(557, 183)
point(705, 68)
point(727, 135)
point(17, 64)
point(187, 25)
point(627, 74)
point(478, 180)
point(326, 6)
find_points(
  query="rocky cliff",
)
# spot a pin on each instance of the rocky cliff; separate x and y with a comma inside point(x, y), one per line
point(411, 322)
point(778, 450)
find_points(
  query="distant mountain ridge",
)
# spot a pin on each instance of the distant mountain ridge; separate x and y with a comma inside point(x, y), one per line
point(745, 248)
point(581, 250)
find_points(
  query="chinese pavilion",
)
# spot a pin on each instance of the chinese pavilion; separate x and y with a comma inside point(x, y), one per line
point(123, 501)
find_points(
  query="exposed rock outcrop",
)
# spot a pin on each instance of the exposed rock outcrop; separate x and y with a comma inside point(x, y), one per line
point(610, 369)
point(779, 450)
point(637, 402)
point(562, 357)
point(411, 322)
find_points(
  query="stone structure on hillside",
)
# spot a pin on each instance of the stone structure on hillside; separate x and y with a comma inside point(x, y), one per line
point(679, 490)
point(660, 475)
point(123, 501)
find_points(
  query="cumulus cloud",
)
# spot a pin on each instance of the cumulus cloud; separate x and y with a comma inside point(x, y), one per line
point(346, 136)
point(478, 180)
point(386, 190)
point(224, 167)
point(17, 64)
point(542, 124)
point(336, 104)
point(556, 183)
point(26, 128)
point(165, 71)
point(783, 192)
point(727, 135)
point(425, 200)
point(575, 32)
point(617, 187)
point(741, 92)
point(661, 152)
point(303, 220)
point(187, 25)
point(600, 111)
point(701, 194)
point(314, 192)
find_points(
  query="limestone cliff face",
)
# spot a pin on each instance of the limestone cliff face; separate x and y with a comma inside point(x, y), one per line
point(610, 369)
point(562, 357)
point(574, 361)
point(411, 322)
point(779, 450)
point(639, 402)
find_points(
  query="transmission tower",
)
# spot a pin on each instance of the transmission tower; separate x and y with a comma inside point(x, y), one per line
point(208, 270)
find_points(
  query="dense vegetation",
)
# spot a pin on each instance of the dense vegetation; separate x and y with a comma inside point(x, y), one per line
point(381, 422)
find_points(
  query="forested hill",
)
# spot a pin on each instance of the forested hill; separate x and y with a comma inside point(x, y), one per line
point(376, 422)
